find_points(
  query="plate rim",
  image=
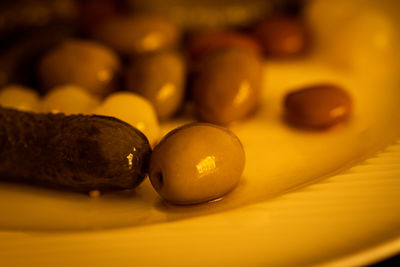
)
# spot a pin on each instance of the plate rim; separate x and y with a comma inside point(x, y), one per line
point(370, 255)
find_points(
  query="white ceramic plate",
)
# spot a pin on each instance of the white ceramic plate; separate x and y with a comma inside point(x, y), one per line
point(306, 198)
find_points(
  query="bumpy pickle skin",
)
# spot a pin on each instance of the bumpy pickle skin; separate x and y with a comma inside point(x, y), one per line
point(76, 153)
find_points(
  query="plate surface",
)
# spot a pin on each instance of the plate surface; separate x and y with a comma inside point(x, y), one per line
point(306, 198)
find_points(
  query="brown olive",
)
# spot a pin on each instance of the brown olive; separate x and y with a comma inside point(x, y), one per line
point(318, 106)
point(85, 63)
point(196, 163)
point(160, 78)
point(282, 36)
point(228, 85)
point(132, 35)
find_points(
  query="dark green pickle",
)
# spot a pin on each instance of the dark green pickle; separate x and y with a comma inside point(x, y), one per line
point(77, 152)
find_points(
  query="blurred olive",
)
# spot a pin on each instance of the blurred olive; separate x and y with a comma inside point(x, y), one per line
point(318, 106)
point(131, 35)
point(282, 36)
point(202, 44)
point(19, 97)
point(85, 63)
point(228, 85)
point(159, 77)
point(197, 15)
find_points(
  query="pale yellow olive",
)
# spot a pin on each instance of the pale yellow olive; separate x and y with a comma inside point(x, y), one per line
point(196, 163)
point(69, 99)
point(133, 109)
point(19, 97)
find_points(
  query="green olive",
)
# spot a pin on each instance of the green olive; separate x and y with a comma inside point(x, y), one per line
point(160, 78)
point(228, 85)
point(85, 63)
point(196, 163)
point(132, 35)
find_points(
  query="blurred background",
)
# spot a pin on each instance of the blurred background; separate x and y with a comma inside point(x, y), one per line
point(30, 28)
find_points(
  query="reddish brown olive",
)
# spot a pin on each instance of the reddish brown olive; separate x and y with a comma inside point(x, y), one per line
point(318, 106)
point(228, 86)
point(205, 43)
point(282, 36)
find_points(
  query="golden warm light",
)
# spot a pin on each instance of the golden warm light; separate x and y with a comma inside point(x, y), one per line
point(200, 133)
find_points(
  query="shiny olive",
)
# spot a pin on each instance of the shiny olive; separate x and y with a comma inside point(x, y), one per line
point(131, 35)
point(228, 85)
point(318, 106)
point(282, 36)
point(160, 78)
point(85, 63)
point(196, 163)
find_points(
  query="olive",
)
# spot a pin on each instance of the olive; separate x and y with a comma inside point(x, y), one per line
point(205, 43)
point(160, 78)
point(196, 163)
point(132, 35)
point(84, 63)
point(318, 106)
point(69, 99)
point(282, 36)
point(227, 86)
point(19, 97)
